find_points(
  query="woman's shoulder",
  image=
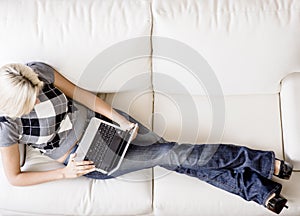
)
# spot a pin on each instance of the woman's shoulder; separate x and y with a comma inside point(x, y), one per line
point(9, 133)
point(7, 122)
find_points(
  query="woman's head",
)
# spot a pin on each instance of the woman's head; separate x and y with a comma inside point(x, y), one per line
point(19, 88)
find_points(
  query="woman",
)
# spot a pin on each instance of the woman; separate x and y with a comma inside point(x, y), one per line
point(38, 107)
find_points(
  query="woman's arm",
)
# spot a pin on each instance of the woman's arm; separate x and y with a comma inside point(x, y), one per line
point(89, 100)
point(11, 164)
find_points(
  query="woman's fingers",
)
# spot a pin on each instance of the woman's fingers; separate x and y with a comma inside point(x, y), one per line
point(85, 167)
point(78, 168)
point(82, 166)
point(135, 132)
point(72, 157)
point(83, 172)
point(80, 163)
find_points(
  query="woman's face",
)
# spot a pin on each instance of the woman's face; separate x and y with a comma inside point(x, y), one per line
point(37, 101)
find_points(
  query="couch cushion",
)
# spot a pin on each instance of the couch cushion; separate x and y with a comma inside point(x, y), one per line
point(252, 120)
point(248, 45)
point(80, 196)
point(179, 195)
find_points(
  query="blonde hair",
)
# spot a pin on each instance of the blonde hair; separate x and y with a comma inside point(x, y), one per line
point(19, 88)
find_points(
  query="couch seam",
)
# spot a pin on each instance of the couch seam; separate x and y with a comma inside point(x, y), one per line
point(151, 66)
point(153, 95)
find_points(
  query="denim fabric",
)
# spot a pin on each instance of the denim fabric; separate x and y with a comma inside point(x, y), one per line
point(73, 150)
point(236, 169)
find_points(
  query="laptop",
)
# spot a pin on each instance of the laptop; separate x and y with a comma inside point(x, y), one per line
point(105, 144)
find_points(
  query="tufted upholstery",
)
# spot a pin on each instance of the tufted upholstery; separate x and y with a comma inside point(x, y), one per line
point(193, 71)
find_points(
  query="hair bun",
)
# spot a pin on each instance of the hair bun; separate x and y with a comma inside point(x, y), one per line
point(26, 72)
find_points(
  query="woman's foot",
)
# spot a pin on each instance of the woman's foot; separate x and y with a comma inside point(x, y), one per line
point(283, 169)
point(276, 203)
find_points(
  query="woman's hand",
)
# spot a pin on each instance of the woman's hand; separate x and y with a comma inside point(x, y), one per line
point(135, 131)
point(127, 125)
point(76, 169)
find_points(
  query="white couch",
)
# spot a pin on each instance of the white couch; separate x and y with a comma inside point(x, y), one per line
point(163, 61)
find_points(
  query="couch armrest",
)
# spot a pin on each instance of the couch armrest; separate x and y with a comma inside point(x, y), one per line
point(290, 111)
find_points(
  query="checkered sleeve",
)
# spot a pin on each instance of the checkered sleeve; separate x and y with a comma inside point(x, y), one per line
point(9, 133)
point(44, 71)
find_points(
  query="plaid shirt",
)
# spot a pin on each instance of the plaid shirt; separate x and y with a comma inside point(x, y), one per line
point(48, 124)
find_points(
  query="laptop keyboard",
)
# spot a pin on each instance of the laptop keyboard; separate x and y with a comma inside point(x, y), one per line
point(100, 144)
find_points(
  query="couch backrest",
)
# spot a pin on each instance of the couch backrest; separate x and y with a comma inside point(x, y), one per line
point(249, 45)
point(71, 34)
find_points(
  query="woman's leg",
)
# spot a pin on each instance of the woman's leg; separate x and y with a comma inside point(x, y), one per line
point(236, 169)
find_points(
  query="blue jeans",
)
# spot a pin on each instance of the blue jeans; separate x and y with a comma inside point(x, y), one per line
point(236, 169)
